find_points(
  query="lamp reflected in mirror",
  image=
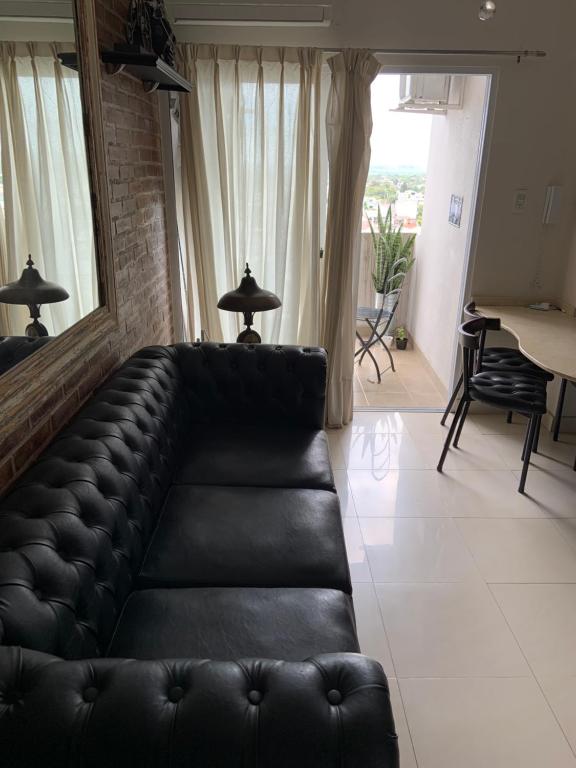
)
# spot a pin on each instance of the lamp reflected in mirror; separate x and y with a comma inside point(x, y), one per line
point(32, 290)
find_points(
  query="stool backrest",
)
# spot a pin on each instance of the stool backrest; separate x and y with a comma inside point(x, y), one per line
point(490, 324)
point(471, 335)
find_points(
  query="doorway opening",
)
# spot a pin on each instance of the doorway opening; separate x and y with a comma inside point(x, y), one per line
point(420, 211)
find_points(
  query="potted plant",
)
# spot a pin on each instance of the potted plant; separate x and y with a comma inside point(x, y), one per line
point(393, 254)
point(401, 337)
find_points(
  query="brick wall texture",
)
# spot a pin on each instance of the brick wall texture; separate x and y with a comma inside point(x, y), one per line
point(137, 201)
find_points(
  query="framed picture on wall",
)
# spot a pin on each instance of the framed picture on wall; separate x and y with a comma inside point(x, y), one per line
point(455, 213)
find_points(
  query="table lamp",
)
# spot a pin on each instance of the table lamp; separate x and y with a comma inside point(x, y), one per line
point(249, 298)
point(33, 291)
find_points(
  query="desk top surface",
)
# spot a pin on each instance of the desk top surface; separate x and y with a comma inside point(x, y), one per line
point(546, 338)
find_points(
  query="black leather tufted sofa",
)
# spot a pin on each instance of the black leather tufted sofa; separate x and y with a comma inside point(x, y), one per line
point(174, 589)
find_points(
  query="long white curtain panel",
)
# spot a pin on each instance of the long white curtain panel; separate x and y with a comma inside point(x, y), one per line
point(252, 184)
point(349, 125)
point(45, 206)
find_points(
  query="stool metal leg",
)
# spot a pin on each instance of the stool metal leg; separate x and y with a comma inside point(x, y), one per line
point(451, 431)
point(525, 441)
point(509, 417)
point(537, 435)
point(559, 409)
point(461, 424)
point(452, 400)
point(530, 432)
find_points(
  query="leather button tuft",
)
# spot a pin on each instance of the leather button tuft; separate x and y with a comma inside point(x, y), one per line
point(175, 694)
point(90, 695)
point(254, 697)
point(334, 696)
point(12, 698)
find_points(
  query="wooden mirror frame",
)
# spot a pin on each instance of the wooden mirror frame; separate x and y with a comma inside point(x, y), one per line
point(31, 384)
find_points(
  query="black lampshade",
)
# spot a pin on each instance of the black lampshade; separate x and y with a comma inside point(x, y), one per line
point(32, 289)
point(249, 297)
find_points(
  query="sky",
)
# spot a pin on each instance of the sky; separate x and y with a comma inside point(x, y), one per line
point(397, 138)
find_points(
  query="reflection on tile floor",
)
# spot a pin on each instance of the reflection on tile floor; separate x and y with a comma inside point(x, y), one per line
point(465, 590)
point(413, 385)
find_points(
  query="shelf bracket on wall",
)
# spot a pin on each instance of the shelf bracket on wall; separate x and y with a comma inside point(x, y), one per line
point(148, 67)
point(150, 86)
point(114, 69)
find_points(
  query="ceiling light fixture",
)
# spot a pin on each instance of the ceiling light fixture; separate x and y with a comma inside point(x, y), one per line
point(487, 10)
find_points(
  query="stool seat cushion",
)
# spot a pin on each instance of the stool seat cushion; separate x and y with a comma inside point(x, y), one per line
point(512, 391)
point(512, 360)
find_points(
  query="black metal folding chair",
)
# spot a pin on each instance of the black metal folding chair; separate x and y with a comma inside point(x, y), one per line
point(379, 321)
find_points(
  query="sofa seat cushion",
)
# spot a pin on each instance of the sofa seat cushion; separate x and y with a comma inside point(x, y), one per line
point(247, 537)
point(231, 454)
point(234, 623)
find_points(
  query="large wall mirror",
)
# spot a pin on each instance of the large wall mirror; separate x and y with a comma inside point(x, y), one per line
point(49, 276)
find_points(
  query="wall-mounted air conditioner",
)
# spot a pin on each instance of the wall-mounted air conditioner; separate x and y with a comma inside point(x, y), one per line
point(252, 14)
point(430, 93)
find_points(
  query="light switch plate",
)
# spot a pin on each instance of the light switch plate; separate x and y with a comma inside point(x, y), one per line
point(520, 200)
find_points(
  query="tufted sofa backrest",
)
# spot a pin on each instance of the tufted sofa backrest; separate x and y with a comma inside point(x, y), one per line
point(74, 527)
point(255, 383)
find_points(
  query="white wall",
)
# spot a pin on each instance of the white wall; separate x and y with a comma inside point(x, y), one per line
point(441, 247)
point(569, 300)
point(42, 32)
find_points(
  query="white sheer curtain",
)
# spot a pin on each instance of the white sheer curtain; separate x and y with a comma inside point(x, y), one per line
point(45, 207)
point(252, 184)
point(349, 125)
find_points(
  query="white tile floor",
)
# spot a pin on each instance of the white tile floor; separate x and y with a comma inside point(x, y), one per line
point(465, 590)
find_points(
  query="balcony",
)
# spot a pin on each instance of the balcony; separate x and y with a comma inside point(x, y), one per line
point(414, 384)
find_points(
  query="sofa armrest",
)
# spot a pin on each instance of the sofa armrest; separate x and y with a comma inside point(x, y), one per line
point(251, 383)
point(329, 710)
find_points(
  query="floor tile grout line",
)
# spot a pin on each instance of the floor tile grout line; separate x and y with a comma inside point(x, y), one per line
point(556, 521)
point(465, 677)
point(372, 582)
point(535, 677)
point(531, 583)
point(395, 677)
point(405, 712)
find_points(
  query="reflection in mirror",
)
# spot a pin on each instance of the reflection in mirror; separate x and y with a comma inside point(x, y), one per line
point(48, 274)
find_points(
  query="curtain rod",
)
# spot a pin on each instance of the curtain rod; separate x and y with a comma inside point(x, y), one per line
point(450, 52)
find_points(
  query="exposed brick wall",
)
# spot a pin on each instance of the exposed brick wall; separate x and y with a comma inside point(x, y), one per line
point(137, 210)
point(132, 127)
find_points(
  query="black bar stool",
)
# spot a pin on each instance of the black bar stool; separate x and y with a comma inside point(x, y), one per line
point(507, 390)
point(559, 409)
point(496, 359)
point(558, 413)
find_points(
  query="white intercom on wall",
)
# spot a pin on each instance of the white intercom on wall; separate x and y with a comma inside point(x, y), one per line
point(552, 205)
